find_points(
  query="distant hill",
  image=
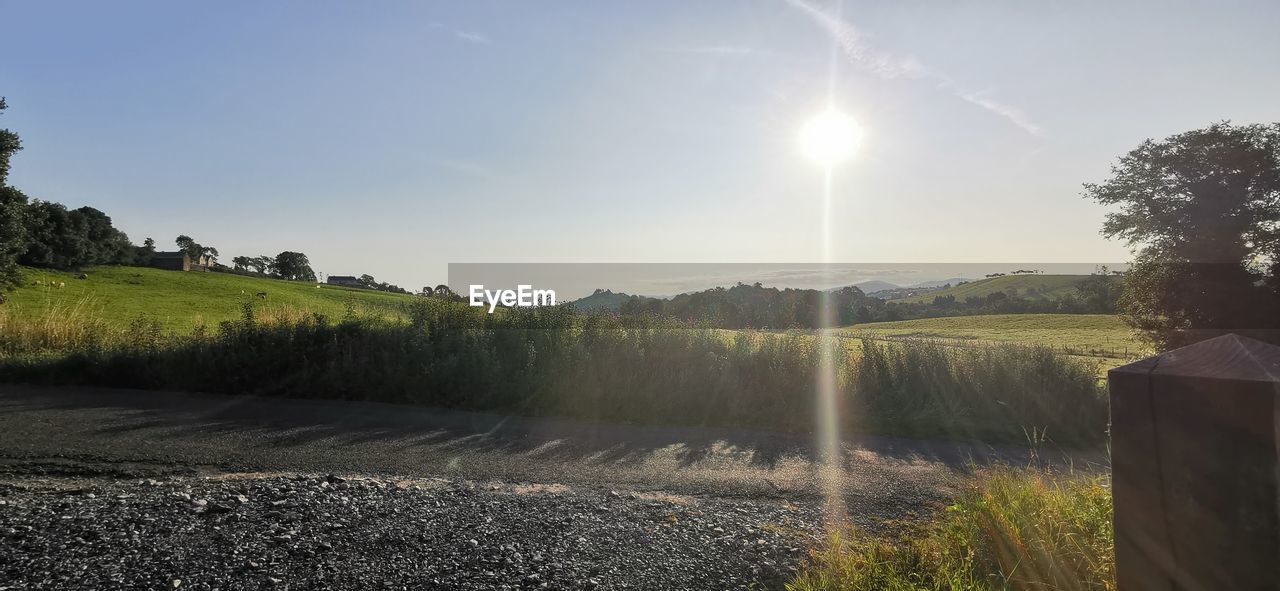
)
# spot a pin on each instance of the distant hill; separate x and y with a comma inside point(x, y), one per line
point(874, 285)
point(602, 299)
point(1048, 286)
point(886, 290)
point(939, 282)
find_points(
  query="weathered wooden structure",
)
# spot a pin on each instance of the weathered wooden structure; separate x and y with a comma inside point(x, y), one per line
point(180, 261)
point(344, 280)
point(173, 261)
point(1195, 468)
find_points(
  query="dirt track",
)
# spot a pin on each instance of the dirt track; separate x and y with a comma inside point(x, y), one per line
point(132, 489)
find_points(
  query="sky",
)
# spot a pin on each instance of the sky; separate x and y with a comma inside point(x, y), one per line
point(394, 138)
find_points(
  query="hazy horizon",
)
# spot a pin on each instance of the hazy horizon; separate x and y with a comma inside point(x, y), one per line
point(572, 281)
point(397, 141)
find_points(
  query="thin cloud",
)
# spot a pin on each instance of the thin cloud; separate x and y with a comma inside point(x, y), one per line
point(472, 37)
point(1013, 114)
point(463, 34)
point(853, 45)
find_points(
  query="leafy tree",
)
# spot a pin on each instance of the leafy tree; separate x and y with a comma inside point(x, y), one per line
point(194, 249)
point(68, 239)
point(13, 205)
point(263, 265)
point(105, 243)
point(189, 246)
point(13, 234)
point(1100, 293)
point(294, 266)
point(143, 254)
point(241, 263)
point(1201, 211)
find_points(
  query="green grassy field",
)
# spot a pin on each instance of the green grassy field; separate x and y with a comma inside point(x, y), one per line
point(1050, 286)
point(181, 301)
point(1094, 335)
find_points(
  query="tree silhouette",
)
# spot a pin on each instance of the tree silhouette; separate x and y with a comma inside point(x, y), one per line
point(1201, 212)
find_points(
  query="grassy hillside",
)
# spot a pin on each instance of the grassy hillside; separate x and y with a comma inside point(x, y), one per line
point(1051, 286)
point(1102, 335)
point(181, 300)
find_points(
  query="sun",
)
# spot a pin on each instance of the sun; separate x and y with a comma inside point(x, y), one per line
point(830, 137)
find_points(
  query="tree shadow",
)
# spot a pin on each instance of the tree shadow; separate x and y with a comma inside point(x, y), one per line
point(341, 436)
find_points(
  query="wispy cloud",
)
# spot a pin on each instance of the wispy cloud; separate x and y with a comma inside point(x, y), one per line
point(472, 37)
point(463, 34)
point(1013, 114)
point(854, 47)
point(465, 167)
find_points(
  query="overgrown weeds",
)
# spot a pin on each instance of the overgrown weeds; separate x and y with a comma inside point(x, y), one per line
point(1013, 530)
point(551, 361)
point(998, 391)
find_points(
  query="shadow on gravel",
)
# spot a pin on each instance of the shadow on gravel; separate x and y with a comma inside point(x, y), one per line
point(285, 423)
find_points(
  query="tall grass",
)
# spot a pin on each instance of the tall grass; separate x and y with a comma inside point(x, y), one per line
point(56, 330)
point(1014, 530)
point(998, 391)
point(551, 361)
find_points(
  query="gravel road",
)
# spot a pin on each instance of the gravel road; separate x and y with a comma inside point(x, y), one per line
point(118, 489)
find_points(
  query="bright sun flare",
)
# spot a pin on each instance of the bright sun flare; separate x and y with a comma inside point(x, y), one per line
point(830, 137)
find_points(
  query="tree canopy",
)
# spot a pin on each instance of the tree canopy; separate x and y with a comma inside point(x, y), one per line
point(194, 249)
point(12, 207)
point(68, 239)
point(1201, 211)
point(294, 266)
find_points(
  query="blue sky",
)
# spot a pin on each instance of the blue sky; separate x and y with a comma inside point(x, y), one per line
point(394, 138)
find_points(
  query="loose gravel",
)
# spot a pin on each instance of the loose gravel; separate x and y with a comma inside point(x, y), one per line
point(326, 532)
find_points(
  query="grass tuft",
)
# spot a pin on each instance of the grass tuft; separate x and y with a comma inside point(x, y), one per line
point(1013, 530)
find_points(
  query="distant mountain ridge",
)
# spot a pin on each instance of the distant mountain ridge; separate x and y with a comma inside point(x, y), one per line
point(603, 299)
point(874, 285)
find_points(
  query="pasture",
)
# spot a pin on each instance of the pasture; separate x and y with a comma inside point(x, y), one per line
point(1092, 335)
point(1048, 286)
point(182, 301)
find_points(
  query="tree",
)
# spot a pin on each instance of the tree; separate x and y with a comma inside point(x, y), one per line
point(69, 239)
point(294, 266)
point(241, 263)
point(1201, 212)
point(13, 205)
point(263, 265)
point(194, 249)
point(189, 246)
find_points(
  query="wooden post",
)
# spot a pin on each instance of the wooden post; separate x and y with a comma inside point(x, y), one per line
point(1195, 468)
